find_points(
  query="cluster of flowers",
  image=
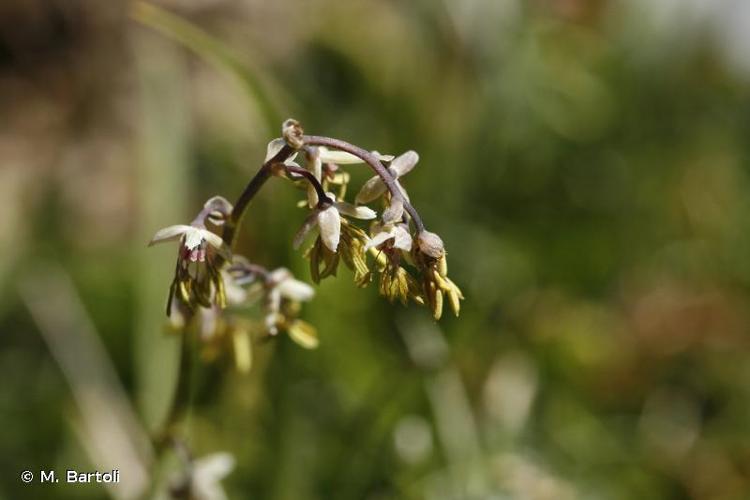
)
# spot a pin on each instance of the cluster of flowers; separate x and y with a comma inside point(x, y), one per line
point(409, 260)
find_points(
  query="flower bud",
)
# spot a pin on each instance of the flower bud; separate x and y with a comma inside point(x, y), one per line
point(431, 244)
point(292, 132)
point(218, 203)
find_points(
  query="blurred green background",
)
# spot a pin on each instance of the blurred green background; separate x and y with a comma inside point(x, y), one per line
point(585, 161)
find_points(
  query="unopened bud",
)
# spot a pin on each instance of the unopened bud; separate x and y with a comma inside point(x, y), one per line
point(292, 132)
point(218, 203)
point(431, 244)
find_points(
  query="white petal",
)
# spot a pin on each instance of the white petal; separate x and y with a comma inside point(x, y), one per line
point(377, 240)
point(296, 290)
point(310, 222)
point(278, 275)
point(394, 212)
point(402, 238)
point(404, 163)
point(193, 238)
point(340, 157)
point(330, 227)
point(316, 167)
point(170, 233)
point(213, 239)
point(274, 147)
point(371, 190)
point(361, 212)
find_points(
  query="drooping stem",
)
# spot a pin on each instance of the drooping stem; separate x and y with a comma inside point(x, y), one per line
point(374, 163)
point(252, 188)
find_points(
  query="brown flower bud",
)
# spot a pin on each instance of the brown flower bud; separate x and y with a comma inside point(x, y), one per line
point(292, 132)
point(431, 244)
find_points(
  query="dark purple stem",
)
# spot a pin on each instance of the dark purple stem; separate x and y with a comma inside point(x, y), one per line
point(323, 199)
point(230, 228)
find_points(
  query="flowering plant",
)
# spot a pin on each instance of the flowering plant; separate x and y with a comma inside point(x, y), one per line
point(211, 281)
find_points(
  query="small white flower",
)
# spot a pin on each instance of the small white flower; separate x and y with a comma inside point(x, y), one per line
point(197, 279)
point(383, 233)
point(194, 240)
point(375, 187)
point(290, 288)
point(328, 220)
point(282, 285)
point(206, 474)
point(329, 223)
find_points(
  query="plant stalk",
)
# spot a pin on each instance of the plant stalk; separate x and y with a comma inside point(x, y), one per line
point(374, 163)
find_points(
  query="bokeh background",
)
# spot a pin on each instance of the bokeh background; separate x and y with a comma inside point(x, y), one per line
point(586, 162)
